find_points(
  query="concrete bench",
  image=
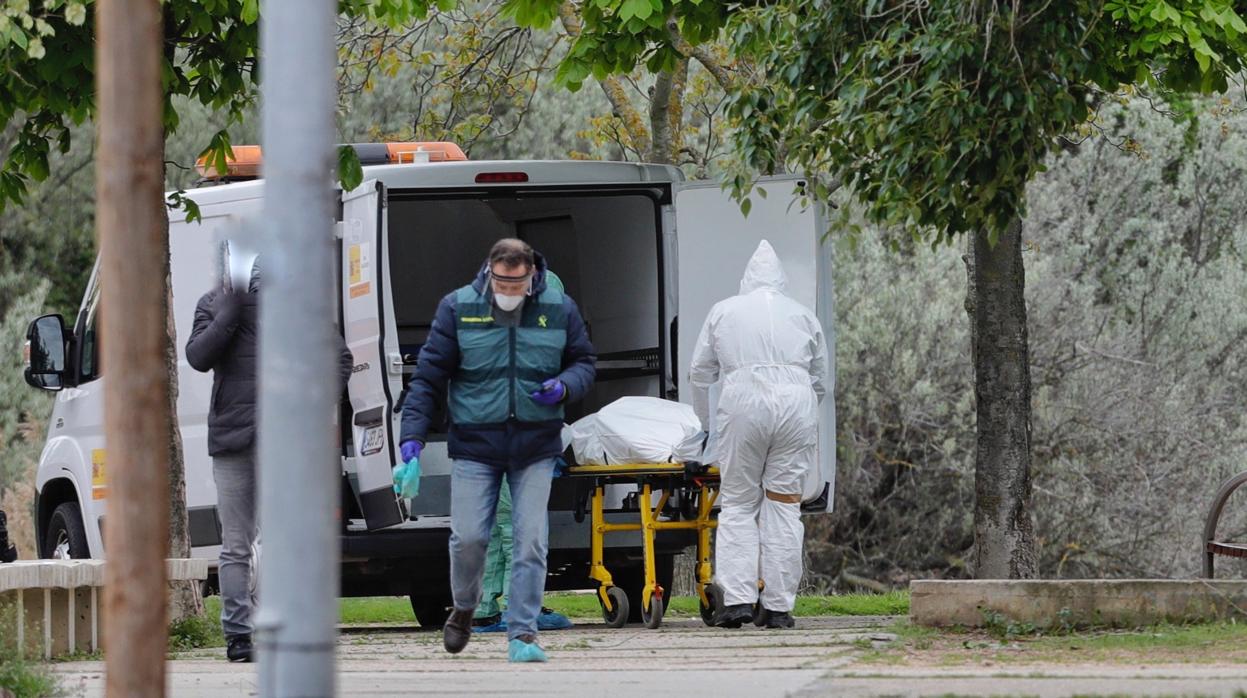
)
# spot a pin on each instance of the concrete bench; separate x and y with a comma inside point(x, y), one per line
point(58, 601)
point(1083, 602)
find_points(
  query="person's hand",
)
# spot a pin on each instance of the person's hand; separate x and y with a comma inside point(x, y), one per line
point(227, 307)
point(552, 393)
point(410, 450)
point(406, 475)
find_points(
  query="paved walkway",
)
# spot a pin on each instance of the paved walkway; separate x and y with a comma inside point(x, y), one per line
point(683, 659)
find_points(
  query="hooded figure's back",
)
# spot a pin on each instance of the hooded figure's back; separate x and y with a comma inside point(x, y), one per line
point(763, 330)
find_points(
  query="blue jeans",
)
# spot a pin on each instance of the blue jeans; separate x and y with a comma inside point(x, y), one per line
point(473, 503)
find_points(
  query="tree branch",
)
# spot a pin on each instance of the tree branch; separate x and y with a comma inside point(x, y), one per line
point(611, 86)
point(698, 53)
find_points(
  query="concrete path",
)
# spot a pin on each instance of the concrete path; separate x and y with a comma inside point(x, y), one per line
point(683, 659)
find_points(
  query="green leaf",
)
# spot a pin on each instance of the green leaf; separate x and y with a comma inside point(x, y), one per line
point(640, 9)
point(250, 11)
point(1203, 60)
point(350, 172)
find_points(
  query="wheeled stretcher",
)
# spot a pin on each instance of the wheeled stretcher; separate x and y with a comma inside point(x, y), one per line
point(698, 487)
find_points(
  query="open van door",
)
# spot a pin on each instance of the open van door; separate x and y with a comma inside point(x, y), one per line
point(715, 242)
point(368, 324)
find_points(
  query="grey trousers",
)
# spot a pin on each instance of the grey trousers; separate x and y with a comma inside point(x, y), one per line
point(236, 496)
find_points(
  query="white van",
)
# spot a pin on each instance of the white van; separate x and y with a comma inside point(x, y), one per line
point(643, 252)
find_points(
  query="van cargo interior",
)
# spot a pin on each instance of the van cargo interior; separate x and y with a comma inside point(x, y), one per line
point(605, 247)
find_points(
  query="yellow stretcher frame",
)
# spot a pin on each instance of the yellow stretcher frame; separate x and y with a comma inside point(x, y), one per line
point(669, 476)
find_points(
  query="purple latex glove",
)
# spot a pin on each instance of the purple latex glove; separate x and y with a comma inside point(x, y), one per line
point(552, 393)
point(410, 450)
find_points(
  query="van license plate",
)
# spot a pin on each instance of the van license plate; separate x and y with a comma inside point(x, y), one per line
point(374, 440)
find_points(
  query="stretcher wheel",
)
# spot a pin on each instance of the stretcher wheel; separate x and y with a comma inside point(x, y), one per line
point(760, 614)
point(715, 595)
point(618, 617)
point(652, 616)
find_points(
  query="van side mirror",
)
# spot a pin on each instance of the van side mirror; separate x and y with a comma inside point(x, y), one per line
point(46, 355)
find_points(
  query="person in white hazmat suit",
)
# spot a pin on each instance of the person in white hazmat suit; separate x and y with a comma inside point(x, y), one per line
point(770, 354)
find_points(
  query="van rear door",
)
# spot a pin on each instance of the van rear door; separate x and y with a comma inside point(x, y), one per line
point(368, 324)
point(715, 241)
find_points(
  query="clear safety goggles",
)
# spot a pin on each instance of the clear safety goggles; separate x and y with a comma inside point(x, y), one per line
point(526, 279)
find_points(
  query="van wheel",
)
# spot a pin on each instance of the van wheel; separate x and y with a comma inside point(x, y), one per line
point(66, 538)
point(431, 612)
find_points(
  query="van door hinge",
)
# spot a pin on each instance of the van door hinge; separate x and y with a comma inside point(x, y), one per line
point(395, 362)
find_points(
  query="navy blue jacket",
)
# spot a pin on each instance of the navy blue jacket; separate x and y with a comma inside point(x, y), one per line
point(511, 443)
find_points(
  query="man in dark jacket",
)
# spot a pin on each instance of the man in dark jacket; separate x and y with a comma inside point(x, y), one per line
point(223, 340)
point(507, 351)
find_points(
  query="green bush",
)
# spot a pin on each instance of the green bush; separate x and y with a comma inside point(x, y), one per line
point(195, 632)
point(18, 675)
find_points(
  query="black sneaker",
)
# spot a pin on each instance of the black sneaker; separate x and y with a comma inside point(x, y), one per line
point(776, 620)
point(734, 616)
point(457, 631)
point(238, 649)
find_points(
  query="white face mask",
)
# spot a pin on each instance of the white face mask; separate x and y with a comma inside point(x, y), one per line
point(508, 303)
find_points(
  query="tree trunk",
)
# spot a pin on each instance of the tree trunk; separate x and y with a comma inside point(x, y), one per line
point(185, 599)
point(1003, 531)
point(133, 254)
point(661, 136)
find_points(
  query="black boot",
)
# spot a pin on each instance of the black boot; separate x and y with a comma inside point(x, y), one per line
point(734, 616)
point(778, 620)
point(457, 631)
point(238, 649)
point(8, 552)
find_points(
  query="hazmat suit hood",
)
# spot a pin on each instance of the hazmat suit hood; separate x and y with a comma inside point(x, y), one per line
point(764, 271)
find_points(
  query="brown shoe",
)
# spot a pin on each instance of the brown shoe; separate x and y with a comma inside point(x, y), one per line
point(457, 631)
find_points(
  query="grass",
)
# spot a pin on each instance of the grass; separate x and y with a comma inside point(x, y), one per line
point(357, 611)
point(397, 609)
point(895, 603)
point(1165, 637)
point(198, 632)
point(1205, 643)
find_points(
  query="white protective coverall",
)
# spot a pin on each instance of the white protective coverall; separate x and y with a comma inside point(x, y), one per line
point(770, 354)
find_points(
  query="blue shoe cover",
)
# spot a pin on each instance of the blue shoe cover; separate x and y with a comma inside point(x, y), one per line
point(520, 651)
point(499, 627)
point(551, 620)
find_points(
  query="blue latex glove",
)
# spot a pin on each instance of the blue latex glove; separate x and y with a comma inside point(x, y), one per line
point(410, 450)
point(560, 469)
point(552, 393)
point(406, 475)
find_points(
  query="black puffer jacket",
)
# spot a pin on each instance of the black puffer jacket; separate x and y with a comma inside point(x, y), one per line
point(223, 340)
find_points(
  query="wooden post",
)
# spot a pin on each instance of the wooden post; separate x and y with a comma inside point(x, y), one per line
point(130, 230)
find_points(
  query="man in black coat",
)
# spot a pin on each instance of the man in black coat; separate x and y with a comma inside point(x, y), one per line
point(223, 340)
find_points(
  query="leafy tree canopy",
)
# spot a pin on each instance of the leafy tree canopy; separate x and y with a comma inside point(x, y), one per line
point(937, 112)
point(47, 67)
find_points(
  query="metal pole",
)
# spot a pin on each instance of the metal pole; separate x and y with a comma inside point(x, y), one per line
point(299, 467)
point(131, 223)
